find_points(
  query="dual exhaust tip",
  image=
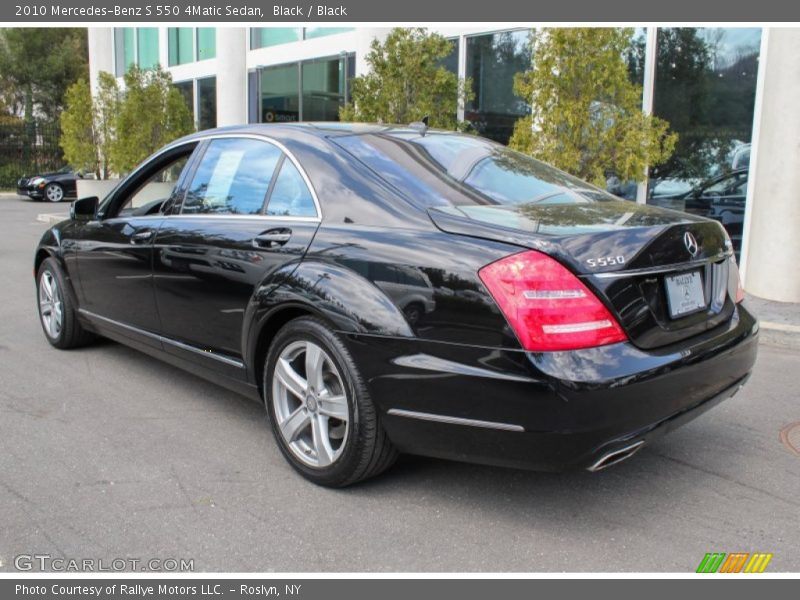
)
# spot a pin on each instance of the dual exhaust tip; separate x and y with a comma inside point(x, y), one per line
point(614, 457)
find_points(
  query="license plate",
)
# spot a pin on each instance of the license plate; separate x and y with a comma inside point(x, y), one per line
point(685, 293)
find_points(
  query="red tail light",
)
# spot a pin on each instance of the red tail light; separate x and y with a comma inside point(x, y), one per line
point(739, 288)
point(548, 307)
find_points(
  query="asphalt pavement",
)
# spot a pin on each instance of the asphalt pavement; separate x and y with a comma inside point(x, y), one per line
point(107, 453)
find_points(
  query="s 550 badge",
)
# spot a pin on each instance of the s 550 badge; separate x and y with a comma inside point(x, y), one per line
point(605, 261)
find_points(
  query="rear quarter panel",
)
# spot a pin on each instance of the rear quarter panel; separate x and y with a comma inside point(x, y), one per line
point(345, 271)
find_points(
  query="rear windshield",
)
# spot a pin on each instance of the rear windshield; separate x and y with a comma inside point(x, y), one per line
point(444, 169)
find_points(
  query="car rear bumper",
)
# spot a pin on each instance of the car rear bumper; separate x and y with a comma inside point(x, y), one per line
point(549, 411)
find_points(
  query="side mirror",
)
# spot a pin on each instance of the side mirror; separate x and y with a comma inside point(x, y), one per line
point(84, 209)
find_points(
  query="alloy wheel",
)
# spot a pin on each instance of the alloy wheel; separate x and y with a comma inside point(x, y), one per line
point(310, 404)
point(50, 304)
point(54, 193)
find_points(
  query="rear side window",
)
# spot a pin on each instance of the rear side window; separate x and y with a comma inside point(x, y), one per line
point(233, 177)
point(290, 195)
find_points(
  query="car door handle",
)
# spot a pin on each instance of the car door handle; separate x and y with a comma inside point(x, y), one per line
point(141, 236)
point(272, 238)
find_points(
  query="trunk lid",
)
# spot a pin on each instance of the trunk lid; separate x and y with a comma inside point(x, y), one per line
point(627, 253)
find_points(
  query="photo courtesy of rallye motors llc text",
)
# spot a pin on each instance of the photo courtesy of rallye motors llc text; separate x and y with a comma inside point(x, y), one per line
point(145, 590)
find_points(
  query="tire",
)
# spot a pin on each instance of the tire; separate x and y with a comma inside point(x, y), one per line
point(57, 311)
point(53, 192)
point(414, 312)
point(332, 436)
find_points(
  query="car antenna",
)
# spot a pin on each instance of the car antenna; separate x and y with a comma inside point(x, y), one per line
point(421, 126)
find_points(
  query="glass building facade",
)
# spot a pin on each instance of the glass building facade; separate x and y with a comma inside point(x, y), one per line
point(311, 90)
point(492, 61)
point(705, 87)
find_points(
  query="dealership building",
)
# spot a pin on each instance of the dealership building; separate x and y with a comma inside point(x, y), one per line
point(731, 94)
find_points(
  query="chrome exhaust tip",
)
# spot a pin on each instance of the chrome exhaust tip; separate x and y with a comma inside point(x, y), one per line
point(614, 457)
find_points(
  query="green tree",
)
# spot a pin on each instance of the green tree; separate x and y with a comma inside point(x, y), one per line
point(88, 125)
point(78, 138)
point(105, 108)
point(38, 65)
point(407, 82)
point(586, 115)
point(151, 113)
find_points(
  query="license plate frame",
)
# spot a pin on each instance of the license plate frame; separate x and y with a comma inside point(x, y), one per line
point(685, 293)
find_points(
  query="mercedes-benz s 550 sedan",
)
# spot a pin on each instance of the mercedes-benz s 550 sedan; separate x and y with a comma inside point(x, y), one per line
point(399, 289)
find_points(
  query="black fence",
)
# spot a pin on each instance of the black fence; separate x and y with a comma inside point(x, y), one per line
point(28, 149)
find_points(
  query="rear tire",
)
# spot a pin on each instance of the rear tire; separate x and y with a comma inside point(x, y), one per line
point(57, 311)
point(321, 414)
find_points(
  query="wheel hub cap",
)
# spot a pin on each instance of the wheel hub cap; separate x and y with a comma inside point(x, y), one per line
point(50, 306)
point(310, 404)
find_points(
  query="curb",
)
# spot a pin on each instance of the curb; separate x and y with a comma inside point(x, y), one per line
point(780, 335)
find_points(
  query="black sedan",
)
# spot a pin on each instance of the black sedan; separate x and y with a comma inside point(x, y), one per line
point(52, 187)
point(398, 289)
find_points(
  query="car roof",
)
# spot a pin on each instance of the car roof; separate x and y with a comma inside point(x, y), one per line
point(318, 129)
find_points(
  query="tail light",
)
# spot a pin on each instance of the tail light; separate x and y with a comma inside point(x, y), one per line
point(547, 306)
point(739, 288)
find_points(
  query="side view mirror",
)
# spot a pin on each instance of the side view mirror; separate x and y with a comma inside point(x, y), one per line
point(84, 209)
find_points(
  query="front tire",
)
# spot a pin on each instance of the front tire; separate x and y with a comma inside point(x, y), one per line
point(57, 312)
point(320, 411)
point(53, 192)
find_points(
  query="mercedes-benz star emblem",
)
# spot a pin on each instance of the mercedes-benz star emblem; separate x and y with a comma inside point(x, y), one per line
point(691, 243)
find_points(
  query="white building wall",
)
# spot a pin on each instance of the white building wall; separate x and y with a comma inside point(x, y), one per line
point(232, 79)
point(101, 53)
point(772, 225)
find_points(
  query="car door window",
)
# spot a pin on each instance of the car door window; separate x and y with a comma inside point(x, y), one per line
point(153, 193)
point(290, 196)
point(233, 177)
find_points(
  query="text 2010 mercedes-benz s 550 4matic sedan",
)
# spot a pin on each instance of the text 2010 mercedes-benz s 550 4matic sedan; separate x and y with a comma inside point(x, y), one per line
point(398, 289)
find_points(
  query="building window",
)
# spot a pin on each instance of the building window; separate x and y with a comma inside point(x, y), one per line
point(450, 62)
point(280, 94)
point(207, 103)
point(262, 37)
point(705, 82)
point(492, 62)
point(206, 43)
point(147, 47)
point(323, 89)
point(186, 88)
point(188, 44)
point(124, 49)
point(312, 90)
point(315, 32)
point(135, 46)
point(181, 45)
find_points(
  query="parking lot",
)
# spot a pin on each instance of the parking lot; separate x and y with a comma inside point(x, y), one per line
point(107, 453)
